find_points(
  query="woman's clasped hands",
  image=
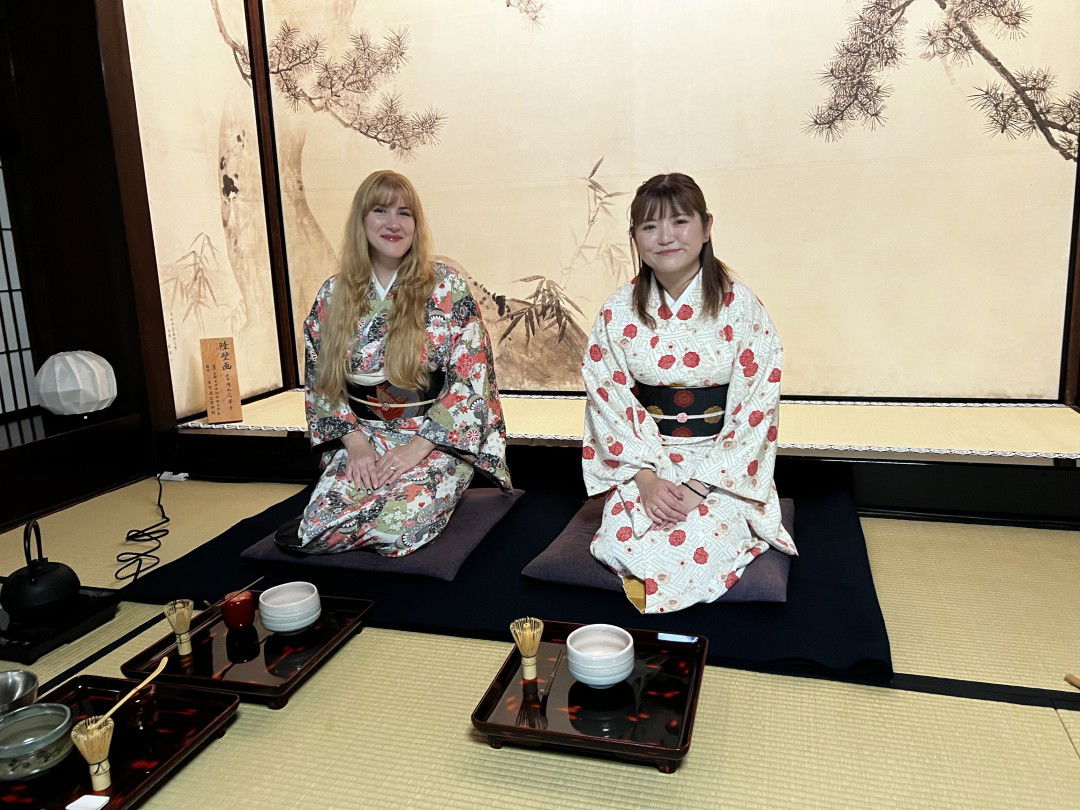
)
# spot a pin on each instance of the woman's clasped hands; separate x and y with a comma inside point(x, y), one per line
point(664, 502)
point(369, 471)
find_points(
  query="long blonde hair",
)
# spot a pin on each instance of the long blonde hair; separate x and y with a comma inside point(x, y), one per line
point(349, 300)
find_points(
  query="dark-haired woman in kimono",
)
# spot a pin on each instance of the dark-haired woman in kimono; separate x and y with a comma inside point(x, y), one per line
point(682, 374)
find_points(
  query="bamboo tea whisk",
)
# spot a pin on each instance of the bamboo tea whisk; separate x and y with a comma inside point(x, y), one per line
point(178, 612)
point(526, 633)
point(93, 736)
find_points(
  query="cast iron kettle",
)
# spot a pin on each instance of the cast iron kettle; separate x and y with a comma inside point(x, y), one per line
point(42, 590)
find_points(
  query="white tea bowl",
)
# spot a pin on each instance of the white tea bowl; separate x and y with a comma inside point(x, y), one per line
point(600, 655)
point(289, 607)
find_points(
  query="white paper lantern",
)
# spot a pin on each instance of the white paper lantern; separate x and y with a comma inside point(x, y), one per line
point(76, 382)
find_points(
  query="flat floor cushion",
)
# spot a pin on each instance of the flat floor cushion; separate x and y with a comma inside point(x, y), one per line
point(567, 560)
point(476, 514)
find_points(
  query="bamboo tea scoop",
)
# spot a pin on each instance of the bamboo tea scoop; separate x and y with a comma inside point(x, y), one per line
point(1073, 680)
point(124, 699)
point(93, 737)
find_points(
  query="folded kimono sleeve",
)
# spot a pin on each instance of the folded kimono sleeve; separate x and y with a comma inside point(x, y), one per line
point(467, 416)
point(742, 459)
point(619, 439)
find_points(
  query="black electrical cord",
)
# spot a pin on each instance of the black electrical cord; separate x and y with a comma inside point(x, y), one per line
point(143, 560)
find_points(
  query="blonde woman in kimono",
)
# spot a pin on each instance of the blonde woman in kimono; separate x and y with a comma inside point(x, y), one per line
point(400, 388)
point(682, 374)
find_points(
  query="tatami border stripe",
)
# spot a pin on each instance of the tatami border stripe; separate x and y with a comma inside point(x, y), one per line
point(794, 400)
point(853, 403)
point(76, 668)
point(979, 690)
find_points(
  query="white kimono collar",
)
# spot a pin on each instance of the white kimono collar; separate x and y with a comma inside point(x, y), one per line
point(379, 289)
point(686, 295)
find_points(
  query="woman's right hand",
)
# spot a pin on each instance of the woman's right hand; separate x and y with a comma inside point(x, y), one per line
point(360, 466)
point(662, 500)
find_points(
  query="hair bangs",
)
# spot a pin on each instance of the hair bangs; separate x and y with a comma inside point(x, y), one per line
point(387, 189)
point(664, 197)
point(659, 206)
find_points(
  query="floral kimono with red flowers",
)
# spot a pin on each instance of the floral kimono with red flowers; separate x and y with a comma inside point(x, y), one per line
point(465, 423)
point(705, 554)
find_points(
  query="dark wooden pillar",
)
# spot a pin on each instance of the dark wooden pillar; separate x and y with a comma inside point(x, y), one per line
point(1070, 368)
point(127, 149)
point(275, 223)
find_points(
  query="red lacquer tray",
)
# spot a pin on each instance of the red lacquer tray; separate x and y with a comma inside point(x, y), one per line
point(647, 718)
point(148, 743)
point(258, 665)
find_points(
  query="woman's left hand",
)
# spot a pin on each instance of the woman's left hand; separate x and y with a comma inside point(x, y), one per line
point(691, 499)
point(395, 461)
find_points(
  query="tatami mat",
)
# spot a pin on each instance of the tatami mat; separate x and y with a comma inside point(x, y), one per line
point(385, 723)
point(960, 431)
point(89, 535)
point(277, 412)
point(129, 615)
point(110, 663)
point(1071, 721)
point(963, 601)
point(977, 602)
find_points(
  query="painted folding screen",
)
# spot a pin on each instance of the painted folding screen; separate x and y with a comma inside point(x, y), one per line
point(203, 180)
point(894, 178)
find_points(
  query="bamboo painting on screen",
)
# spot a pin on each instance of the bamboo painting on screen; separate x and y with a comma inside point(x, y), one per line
point(204, 185)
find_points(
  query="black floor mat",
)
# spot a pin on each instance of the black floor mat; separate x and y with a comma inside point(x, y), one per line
point(831, 626)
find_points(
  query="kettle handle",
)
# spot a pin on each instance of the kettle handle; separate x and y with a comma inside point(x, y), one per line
point(32, 526)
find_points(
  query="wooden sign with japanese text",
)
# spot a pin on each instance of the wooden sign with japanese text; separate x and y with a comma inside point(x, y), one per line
point(220, 382)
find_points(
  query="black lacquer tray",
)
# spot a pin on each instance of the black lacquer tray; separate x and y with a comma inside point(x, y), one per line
point(258, 665)
point(648, 718)
point(148, 743)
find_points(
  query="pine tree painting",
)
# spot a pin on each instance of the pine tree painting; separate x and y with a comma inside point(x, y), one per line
point(1018, 102)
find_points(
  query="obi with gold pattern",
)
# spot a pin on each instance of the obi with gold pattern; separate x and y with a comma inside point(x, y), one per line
point(388, 402)
point(684, 412)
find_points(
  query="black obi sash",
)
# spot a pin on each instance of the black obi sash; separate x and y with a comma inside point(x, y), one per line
point(680, 406)
point(393, 401)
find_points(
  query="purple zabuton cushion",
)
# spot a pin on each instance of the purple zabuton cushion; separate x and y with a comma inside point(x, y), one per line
point(477, 512)
point(567, 560)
